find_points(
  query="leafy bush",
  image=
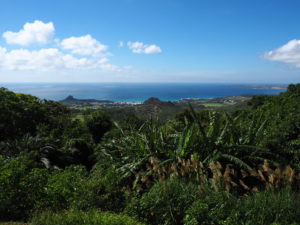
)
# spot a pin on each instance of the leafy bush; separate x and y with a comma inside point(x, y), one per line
point(165, 203)
point(12, 223)
point(75, 188)
point(262, 208)
point(101, 191)
point(93, 217)
point(265, 208)
point(196, 214)
point(22, 113)
point(63, 187)
point(21, 186)
point(24, 189)
point(98, 124)
point(212, 209)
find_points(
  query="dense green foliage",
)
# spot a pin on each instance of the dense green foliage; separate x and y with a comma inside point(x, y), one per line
point(238, 166)
point(25, 114)
point(83, 218)
point(260, 208)
point(165, 203)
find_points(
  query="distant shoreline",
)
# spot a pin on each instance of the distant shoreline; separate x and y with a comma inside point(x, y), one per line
point(70, 100)
point(272, 87)
point(135, 93)
point(74, 102)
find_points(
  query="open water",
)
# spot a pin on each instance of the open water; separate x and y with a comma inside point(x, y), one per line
point(134, 92)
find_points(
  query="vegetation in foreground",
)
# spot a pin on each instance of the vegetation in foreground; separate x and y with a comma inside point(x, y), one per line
point(203, 167)
point(75, 217)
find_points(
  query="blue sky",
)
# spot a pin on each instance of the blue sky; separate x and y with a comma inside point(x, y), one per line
point(150, 41)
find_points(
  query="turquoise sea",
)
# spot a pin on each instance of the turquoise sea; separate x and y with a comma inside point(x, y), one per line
point(135, 92)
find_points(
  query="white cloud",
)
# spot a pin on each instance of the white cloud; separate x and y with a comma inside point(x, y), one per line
point(2, 52)
point(49, 59)
point(140, 47)
point(84, 45)
point(288, 53)
point(121, 44)
point(85, 53)
point(32, 33)
point(151, 49)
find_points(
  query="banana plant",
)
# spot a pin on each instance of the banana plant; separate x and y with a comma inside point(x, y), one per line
point(225, 140)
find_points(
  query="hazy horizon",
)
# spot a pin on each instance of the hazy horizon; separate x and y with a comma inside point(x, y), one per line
point(139, 92)
point(139, 82)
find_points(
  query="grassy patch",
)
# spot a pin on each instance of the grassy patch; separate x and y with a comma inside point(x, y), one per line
point(217, 105)
point(76, 217)
point(13, 223)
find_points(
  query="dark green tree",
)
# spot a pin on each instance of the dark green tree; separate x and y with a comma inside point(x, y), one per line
point(98, 124)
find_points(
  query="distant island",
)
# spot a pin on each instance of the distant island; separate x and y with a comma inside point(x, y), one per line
point(71, 101)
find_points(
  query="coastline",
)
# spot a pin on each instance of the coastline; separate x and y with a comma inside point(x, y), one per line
point(138, 92)
point(70, 101)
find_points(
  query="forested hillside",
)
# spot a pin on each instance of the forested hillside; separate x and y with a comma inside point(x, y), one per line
point(203, 167)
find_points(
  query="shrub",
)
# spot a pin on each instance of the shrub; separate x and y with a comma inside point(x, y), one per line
point(211, 209)
point(93, 217)
point(24, 190)
point(266, 208)
point(100, 190)
point(98, 124)
point(13, 223)
point(165, 203)
point(75, 188)
point(21, 114)
point(21, 186)
point(63, 188)
point(263, 208)
point(197, 213)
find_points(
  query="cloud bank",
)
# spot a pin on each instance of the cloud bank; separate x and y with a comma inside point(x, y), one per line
point(32, 33)
point(49, 59)
point(288, 53)
point(41, 51)
point(84, 52)
point(84, 45)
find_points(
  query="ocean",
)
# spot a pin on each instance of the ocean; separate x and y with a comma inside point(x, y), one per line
point(136, 92)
